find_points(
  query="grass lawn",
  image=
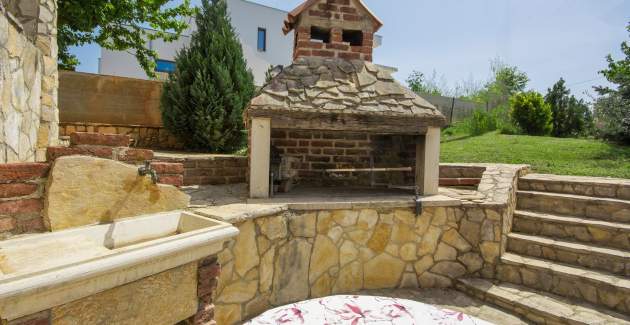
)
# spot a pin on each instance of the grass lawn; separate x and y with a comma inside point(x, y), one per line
point(548, 155)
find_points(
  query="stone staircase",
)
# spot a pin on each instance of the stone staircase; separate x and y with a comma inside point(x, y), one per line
point(568, 256)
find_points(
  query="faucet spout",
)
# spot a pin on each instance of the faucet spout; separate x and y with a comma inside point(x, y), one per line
point(147, 169)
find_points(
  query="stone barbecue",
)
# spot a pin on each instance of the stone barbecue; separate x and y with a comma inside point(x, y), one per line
point(333, 117)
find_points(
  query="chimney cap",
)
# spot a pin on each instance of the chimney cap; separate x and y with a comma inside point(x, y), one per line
point(292, 17)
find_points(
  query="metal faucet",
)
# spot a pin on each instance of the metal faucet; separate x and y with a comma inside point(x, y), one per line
point(148, 170)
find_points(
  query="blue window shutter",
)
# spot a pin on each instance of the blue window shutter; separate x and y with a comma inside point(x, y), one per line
point(262, 39)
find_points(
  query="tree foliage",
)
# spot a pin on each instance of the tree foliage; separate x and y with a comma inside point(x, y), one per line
point(119, 25)
point(618, 73)
point(570, 116)
point(531, 113)
point(612, 109)
point(420, 84)
point(203, 100)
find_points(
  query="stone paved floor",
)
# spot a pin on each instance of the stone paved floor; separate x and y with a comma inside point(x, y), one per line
point(453, 300)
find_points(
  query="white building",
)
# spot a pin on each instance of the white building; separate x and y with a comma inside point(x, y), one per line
point(259, 28)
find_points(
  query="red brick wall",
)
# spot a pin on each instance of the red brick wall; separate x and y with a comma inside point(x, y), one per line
point(207, 275)
point(340, 14)
point(318, 151)
point(23, 185)
point(21, 198)
point(210, 169)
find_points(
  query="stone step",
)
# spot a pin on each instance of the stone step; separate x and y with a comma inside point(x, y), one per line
point(575, 205)
point(585, 230)
point(595, 257)
point(539, 307)
point(579, 185)
point(596, 287)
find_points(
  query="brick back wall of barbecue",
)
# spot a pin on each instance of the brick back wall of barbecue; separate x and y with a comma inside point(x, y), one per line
point(321, 150)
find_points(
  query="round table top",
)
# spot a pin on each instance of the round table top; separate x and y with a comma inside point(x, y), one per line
point(358, 310)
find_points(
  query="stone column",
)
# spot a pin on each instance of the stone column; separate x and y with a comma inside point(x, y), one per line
point(428, 162)
point(46, 41)
point(259, 159)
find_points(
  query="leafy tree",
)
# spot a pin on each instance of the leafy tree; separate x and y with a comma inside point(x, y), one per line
point(118, 25)
point(530, 112)
point(570, 116)
point(618, 73)
point(203, 100)
point(419, 84)
point(612, 114)
point(613, 108)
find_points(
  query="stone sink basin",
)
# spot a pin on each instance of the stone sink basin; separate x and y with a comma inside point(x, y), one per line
point(38, 272)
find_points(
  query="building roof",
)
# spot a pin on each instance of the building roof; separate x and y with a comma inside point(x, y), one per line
point(327, 93)
point(293, 15)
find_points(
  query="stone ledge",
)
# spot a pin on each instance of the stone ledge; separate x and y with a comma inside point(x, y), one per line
point(236, 213)
point(320, 203)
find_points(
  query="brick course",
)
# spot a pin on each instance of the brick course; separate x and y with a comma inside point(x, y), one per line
point(98, 139)
point(210, 169)
point(317, 151)
point(341, 15)
point(207, 274)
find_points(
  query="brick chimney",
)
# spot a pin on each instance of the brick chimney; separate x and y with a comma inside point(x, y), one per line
point(333, 29)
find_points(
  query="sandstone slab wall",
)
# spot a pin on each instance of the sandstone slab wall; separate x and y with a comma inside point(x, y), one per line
point(28, 80)
point(283, 255)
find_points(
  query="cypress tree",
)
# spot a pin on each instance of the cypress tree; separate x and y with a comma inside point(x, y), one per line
point(203, 100)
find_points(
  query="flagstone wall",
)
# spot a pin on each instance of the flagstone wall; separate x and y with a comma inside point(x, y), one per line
point(28, 79)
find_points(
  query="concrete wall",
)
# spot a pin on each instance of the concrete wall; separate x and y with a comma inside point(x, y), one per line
point(28, 80)
point(246, 16)
point(109, 100)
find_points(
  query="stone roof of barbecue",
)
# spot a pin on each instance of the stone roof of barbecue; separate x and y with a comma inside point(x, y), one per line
point(336, 86)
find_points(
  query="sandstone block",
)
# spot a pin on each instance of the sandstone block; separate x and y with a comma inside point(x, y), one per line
point(290, 279)
point(87, 190)
point(380, 238)
point(165, 298)
point(238, 292)
point(383, 271)
point(266, 271)
point(445, 252)
point(423, 264)
point(350, 278)
point(345, 218)
point(303, 225)
point(325, 255)
point(245, 249)
point(273, 227)
point(453, 238)
point(452, 270)
point(322, 286)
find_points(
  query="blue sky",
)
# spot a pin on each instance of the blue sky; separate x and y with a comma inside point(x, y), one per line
point(457, 39)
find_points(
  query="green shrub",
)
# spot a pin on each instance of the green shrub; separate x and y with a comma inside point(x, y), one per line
point(530, 113)
point(203, 100)
point(482, 122)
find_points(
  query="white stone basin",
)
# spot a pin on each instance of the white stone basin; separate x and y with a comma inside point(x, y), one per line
point(41, 271)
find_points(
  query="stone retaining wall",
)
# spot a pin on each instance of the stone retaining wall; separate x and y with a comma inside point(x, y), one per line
point(292, 256)
point(153, 137)
point(283, 255)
